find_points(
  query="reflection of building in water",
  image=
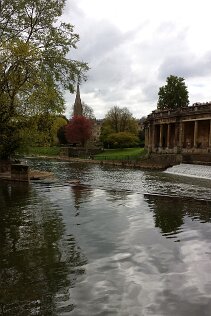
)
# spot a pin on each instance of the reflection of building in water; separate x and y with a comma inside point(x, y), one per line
point(185, 131)
point(170, 212)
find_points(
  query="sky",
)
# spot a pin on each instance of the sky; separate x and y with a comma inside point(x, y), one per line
point(132, 46)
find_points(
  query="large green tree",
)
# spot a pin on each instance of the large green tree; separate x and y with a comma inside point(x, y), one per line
point(41, 130)
point(34, 64)
point(174, 94)
point(118, 120)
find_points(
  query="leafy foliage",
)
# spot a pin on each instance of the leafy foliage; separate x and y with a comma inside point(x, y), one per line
point(174, 94)
point(61, 135)
point(78, 130)
point(118, 120)
point(88, 111)
point(34, 63)
point(40, 130)
point(123, 140)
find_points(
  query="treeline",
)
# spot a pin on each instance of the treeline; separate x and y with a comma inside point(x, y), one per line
point(119, 129)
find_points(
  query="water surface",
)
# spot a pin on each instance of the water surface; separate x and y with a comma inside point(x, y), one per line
point(120, 242)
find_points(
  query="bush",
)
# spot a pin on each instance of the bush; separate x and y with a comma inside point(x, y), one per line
point(123, 140)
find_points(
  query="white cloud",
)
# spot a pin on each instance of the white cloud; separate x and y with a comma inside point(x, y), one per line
point(132, 46)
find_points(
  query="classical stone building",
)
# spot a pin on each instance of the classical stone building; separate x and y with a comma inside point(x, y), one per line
point(182, 131)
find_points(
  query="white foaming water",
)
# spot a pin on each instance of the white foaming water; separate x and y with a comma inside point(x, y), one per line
point(189, 170)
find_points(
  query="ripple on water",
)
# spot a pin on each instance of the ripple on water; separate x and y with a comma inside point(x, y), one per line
point(106, 246)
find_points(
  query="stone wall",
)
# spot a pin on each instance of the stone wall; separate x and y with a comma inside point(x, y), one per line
point(197, 158)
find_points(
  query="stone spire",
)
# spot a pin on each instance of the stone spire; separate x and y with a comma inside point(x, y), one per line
point(78, 105)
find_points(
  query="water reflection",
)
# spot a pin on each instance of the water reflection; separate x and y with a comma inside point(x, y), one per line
point(80, 194)
point(38, 264)
point(105, 245)
point(170, 212)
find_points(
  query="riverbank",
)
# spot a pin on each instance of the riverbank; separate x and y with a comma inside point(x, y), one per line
point(33, 175)
point(144, 163)
point(158, 162)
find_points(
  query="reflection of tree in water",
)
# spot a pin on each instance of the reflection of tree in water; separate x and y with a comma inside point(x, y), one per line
point(37, 264)
point(80, 193)
point(169, 212)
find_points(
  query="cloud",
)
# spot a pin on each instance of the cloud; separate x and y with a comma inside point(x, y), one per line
point(130, 62)
point(187, 66)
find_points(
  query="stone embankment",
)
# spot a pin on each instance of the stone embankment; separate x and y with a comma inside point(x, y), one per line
point(22, 173)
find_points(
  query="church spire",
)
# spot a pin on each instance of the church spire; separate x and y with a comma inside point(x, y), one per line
point(78, 105)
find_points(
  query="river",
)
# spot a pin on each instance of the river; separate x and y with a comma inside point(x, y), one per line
point(119, 242)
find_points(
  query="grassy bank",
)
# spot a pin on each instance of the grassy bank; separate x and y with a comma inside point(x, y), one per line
point(43, 151)
point(107, 154)
point(121, 154)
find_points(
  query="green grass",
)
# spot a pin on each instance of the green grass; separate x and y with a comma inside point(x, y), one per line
point(43, 151)
point(121, 154)
point(107, 154)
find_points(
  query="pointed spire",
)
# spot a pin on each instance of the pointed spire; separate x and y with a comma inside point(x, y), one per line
point(78, 105)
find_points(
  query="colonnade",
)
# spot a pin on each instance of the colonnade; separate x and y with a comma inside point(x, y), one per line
point(186, 134)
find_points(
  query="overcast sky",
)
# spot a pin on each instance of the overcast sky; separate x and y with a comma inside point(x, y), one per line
point(131, 47)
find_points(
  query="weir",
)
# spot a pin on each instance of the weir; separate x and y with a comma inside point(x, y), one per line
point(189, 170)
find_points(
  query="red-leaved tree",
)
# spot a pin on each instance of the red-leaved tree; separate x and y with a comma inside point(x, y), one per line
point(78, 130)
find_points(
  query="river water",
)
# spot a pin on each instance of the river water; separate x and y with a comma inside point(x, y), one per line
point(120, 242)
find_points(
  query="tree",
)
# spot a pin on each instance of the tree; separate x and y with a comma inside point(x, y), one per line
point(118, 120)
point(121, 120)
point(123, 140)
point(78, 130)
point(88, 111)
point(34, 63)
point(174, 94)
point(58, 123)
point(40, 130)
point(62, 135)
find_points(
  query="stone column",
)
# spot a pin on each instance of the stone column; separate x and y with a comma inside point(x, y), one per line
point(195, 134)
point(168, 135)
point(161, 135)
point(149, 139)
point(146, 137)
point(149, 136)
point(210, 135)
point(181, 134)
point(153, 136)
